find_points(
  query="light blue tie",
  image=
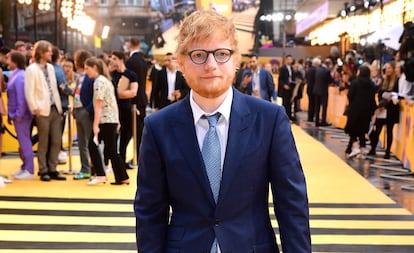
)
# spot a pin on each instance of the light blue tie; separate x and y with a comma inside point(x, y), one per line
point(212, 155)
point(211, 152)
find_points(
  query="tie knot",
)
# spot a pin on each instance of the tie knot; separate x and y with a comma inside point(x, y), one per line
point(212, 119)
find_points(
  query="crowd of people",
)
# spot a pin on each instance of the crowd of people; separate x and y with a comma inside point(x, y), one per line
point(39, 81)
point(374, 92)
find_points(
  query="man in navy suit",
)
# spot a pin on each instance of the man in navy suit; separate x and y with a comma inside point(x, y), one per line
point(256, 148)
point(257, 81)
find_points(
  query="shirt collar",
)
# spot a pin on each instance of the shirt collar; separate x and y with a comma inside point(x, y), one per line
point(224, 109)
point(133, 52)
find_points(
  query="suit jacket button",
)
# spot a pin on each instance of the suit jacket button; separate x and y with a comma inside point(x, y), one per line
point(216, 222)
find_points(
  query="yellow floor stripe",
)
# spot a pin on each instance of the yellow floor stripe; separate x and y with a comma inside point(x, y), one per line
point(355, 211)
point(66, 251)
point(67, 220)
point(67, 206)
point(364, 239)
point(44, 236)
point(362, 224)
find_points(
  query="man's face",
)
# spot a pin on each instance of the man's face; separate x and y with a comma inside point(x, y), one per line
point(22, 49)
point(11, 65)
point(289, 60)
point(253, 62)
point(47, 55)
point(169, 62)
point(210, 79)
point(115, 62)
point(2, 59)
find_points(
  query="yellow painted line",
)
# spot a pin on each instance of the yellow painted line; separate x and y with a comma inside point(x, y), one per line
point(361, 224)
point(67, 206)
point(363, 239)
point(58, 236)
point(362, 211)
point(64, 251)
point(67, 220)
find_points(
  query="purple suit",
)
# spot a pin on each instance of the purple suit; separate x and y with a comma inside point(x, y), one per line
point(19, 113)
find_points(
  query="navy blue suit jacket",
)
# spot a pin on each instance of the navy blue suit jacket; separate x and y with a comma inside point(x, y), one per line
point(267, 85)
point(260, 150)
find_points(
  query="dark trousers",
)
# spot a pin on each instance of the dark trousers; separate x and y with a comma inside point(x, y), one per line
point(140, 127)
point(125, 118)
point(374, 136)
point(107, 133)
point(287, 102)
point(321, 101)
point(311, 107)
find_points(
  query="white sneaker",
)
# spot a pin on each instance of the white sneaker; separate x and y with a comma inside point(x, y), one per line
point(6, 180)
point(24, 175)
point(355, 151)
point(97, 180)
point(17, 172)
point(62, 157)
point(108, 170)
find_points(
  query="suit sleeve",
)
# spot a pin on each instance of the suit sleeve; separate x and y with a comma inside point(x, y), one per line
point(21, 99)
point(29, 89)
point(289, 189)
point(271, 86)
point(151, 204)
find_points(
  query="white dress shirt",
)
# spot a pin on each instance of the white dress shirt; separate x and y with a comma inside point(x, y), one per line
point(171, 76)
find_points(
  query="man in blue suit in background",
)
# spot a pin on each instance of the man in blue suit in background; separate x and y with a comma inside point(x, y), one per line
point(257, 81)
point(218, 194)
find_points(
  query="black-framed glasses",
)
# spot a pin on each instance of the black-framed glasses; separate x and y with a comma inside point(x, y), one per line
point(200, 56)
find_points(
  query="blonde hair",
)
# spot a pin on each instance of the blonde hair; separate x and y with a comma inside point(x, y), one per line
point(389, 81)
point(100, 66)
point(40, 48)
point(203, 24)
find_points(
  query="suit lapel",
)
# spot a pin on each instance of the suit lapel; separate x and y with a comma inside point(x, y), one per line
point(240, 121)
point(183, 127)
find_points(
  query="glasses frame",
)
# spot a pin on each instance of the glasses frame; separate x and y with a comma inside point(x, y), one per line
point(213, 52)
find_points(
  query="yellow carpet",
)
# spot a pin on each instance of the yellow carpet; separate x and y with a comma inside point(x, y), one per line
point(348, 214)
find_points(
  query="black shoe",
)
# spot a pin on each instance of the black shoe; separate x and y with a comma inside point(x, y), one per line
point(56, 176)
point(372, 152)
point(126, 182)
point(44, 177)
point(387, 156)
point(324, 124)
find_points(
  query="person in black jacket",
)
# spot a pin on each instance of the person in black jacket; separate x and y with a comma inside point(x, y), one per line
point(310, 80)
point(361, 102)
point(137, 63)
point(286, 85)
point(170, 85)
point(323, 79)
